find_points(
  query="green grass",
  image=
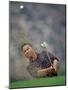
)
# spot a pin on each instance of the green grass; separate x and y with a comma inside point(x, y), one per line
point(48, 81)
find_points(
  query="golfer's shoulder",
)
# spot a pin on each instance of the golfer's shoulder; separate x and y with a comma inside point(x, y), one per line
point(50, 54)
point(43, 52)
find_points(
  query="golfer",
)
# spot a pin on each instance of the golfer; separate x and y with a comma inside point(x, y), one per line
point(39, 63)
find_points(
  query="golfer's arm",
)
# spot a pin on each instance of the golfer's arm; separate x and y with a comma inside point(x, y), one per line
point(52, 69)
point(48, 71)
point(56, 65)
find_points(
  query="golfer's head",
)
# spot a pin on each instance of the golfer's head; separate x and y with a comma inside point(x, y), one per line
point(27, 50)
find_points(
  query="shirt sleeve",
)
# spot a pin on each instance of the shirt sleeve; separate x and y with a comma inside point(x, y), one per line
point(52, 57)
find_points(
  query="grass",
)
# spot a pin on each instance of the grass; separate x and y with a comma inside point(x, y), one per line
point(40, 82)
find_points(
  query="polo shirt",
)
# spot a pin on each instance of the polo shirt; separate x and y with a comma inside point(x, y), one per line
point(44, 60)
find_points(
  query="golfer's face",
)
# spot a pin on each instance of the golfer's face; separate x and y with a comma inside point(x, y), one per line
point(28, 51)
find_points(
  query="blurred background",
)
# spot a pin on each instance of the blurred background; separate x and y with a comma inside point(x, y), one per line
point(35, 23)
